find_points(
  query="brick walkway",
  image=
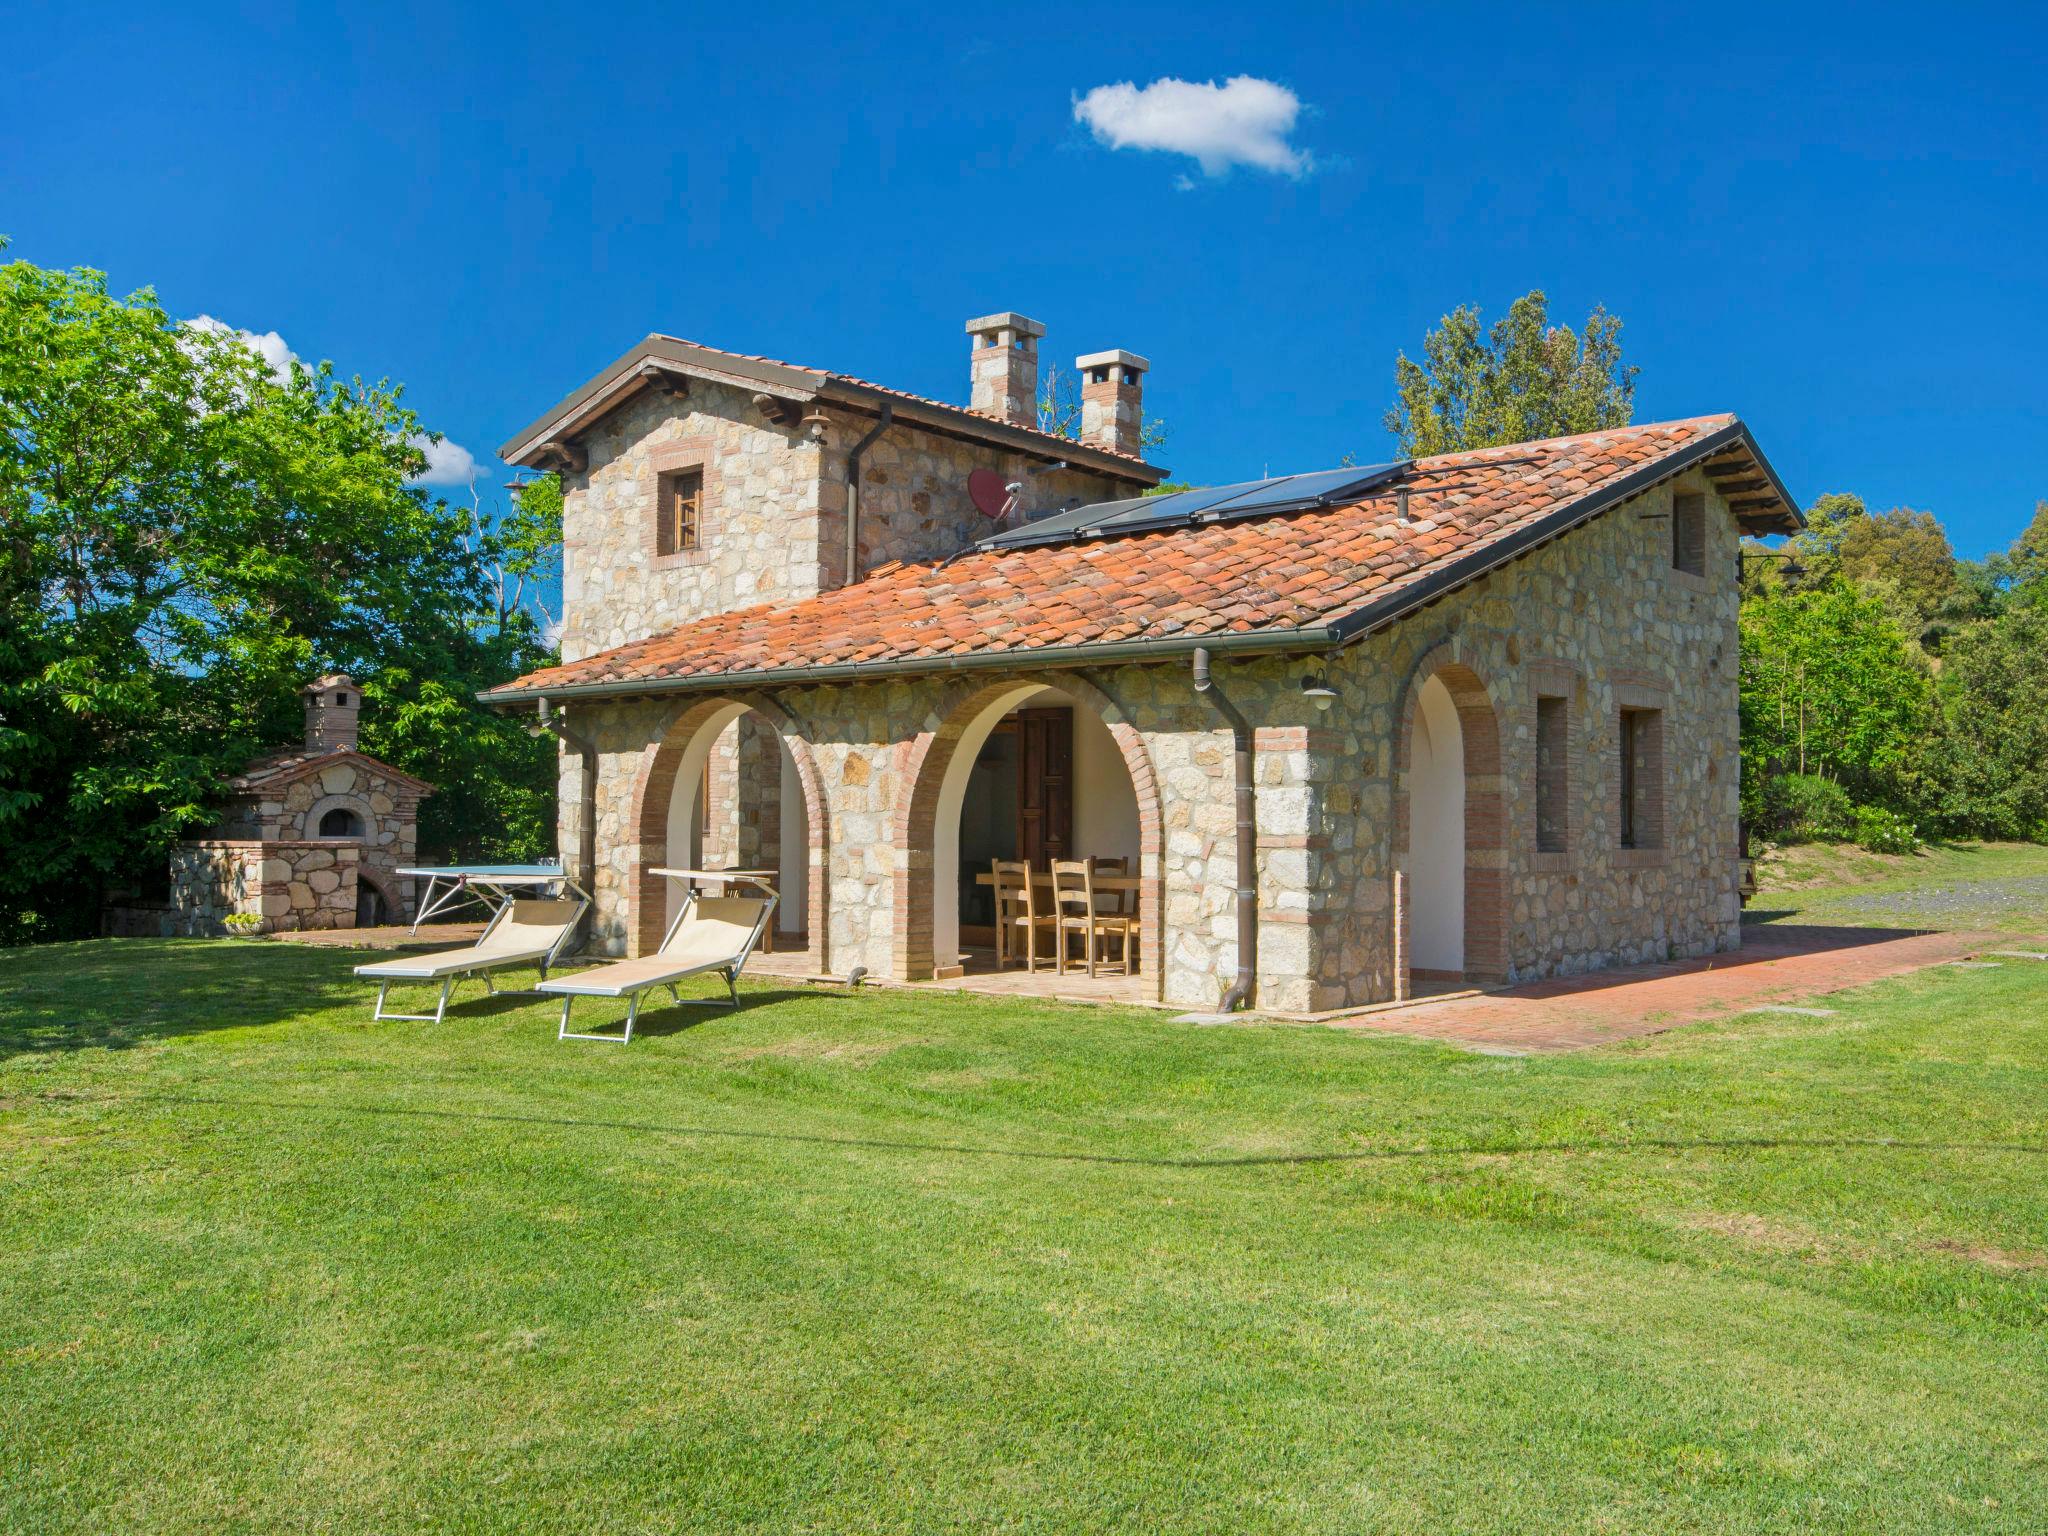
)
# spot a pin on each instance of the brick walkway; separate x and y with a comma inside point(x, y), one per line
point(1778, 963)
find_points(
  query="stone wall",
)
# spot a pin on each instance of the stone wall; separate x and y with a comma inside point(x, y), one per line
point(1597, 616)
point(913, 496)
point(289, 885)
point(773, 526)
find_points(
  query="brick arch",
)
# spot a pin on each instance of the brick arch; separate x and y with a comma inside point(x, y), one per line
point(1485, 811)
point(654, 787)
point(386, 885)
point(931, 753)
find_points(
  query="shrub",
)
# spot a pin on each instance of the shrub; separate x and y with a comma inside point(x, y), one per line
point(1812, 809)
point(1883, 831)
point(243, 922)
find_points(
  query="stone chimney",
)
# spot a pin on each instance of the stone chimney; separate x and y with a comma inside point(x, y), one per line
point(332, 703)
point(1004, 367)
point(1112, 400)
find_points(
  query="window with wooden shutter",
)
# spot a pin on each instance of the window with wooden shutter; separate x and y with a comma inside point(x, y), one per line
point(1553, 776)
point(680, 513)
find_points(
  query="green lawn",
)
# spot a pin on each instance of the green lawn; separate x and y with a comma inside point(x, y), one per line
point(1967, 887)
point(877, 1262)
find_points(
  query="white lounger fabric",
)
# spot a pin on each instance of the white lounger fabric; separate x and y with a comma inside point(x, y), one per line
point(713, 934)
point(530, 931)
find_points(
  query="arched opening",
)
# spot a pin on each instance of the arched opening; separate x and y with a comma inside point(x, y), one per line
point(1450, 840)
point(341, 822)
point(372, 911)
point(1436, 837)
point(1027, 771)
point(731, 786)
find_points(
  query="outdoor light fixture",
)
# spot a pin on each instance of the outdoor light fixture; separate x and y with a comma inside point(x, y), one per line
point(1791, 570)
point(815, 425)
point(1315, 687)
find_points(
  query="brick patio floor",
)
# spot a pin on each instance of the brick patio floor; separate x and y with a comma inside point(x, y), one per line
point(1778, 963)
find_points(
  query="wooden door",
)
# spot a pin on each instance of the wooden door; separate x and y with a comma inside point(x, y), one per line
point(1045, 776)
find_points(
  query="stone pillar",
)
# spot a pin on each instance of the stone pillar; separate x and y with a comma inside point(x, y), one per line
point(1003, 367)
point(1113, 400)
point(720, 790)
point(757, 795)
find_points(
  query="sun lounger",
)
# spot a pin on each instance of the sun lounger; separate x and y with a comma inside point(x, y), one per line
point(710, 934)
point(521, 933)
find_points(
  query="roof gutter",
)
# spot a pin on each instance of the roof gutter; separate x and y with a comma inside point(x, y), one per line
point(1236, 643)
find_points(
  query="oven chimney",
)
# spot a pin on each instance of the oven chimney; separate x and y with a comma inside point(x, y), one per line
point(1113, 400)
point(332, 704)
point(1004, 367)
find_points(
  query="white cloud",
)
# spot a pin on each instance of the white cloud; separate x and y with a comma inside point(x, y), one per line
point(1243, 121)
point(448, 463)
point(269, 346)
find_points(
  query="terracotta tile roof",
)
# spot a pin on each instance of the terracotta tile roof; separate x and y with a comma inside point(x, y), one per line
point(1329, 572)
point(283, 767)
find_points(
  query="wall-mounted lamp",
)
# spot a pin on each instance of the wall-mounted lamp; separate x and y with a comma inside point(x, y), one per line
point(1791, 570)
point(815, 426)
point(1315, 687)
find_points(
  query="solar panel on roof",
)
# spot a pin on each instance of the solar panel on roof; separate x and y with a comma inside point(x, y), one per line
point(1213, 503)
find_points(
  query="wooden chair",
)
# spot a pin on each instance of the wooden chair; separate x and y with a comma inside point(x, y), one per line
point(1016, 912)
point(1115, 903)
point(1074, 903)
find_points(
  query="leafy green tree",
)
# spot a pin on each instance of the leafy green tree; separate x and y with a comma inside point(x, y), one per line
point(185, 537)
point(1818, 545)
point(1986, 767)
point(1901, 557)
point(1829, 687)
point(1521, 380)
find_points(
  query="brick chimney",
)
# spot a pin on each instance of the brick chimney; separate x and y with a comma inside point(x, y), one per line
point(1113, 399)
point(1004, 367)
point(331, 706)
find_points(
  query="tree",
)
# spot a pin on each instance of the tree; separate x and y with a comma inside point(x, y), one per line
point(1828, 687)
point(1987, 765)
point(1902, 557)
point(1525, 379)
point(185, 537)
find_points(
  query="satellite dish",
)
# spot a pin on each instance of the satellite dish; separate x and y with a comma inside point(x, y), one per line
point(990, 494)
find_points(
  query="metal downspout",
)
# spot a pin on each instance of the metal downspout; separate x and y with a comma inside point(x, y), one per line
point(853, 457)
point(586, 794)
point(1240, 993)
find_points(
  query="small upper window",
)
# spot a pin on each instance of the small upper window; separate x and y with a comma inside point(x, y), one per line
point(680, 515)
point(1689, 533)
point(341, 701)
point(341, 822)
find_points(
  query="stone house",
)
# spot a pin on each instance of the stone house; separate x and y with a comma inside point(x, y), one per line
point(310, 838)
point(1464, 719)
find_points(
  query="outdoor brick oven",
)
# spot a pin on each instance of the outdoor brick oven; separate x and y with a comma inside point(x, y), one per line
point(309, 838)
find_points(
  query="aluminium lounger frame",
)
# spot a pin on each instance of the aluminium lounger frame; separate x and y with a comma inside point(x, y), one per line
point(485, 966)
point(729, 973)
point(447, 886)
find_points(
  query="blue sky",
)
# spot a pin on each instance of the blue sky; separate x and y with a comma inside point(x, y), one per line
point(1831, 221)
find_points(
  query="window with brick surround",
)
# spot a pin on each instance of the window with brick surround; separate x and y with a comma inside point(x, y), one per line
point(1642, 778)
point(1689, 533)
point(1553, 776)
point(679, 512)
